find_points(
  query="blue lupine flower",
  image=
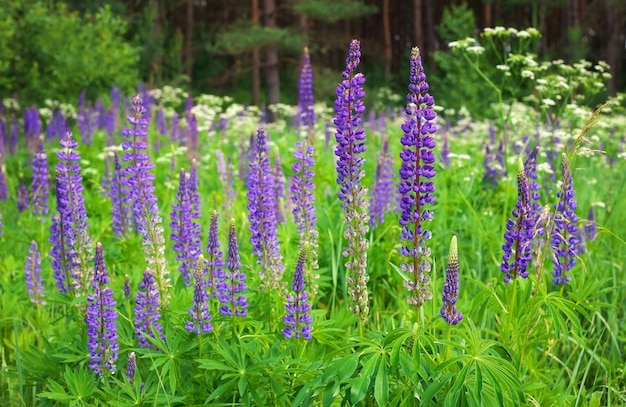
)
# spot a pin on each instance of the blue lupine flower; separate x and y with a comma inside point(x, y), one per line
point(298, 317)
point(416, 185)
point(101, 320)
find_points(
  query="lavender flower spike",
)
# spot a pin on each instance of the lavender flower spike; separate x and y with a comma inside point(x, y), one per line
point(200, 316)
point(382, 194)
point(305, 96)
point(519, 232)
point(214, 261)
point(261, 205)
point(350, 137)
point(232, 287)
point(304, 212)
point(449, 312)
point(564, 240)
point(416, 186)
point(181, 229)
point(41, 184)
point(34, 282)
point(141, 195)
point(101, 320)
point(298, 318)
point(147, 305)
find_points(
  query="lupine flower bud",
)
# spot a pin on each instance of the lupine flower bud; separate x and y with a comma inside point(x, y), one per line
point(305, 96)
point(131, 367)
point(449, 311)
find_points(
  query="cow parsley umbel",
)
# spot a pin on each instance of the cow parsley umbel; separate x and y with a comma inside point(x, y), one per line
point(416, 186)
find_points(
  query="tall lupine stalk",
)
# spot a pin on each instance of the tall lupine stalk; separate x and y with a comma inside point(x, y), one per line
point(304, 213)
point(350, 137)
point(297, 317)
point(232, 288)
point(200, 321)
point(530, 169)
point(73, 227)
point(147, 306)
point(261, 206)
point(101, 320)
point(181, 230)
point(382, 194)
point(141, 195)
point(416, 186)
point(41, 183)
point(34, 282)
point(519, 233)
point(305, 97)
point(564, 236)
point(215, 264)
point(59, 253)
point(121, 212)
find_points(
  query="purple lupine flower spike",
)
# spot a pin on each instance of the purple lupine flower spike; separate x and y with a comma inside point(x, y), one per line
point(416, 186)
point(147, 305)
point(131, 367)
point(101, 320)
point(445, 151)
point(350, 137)
point(22, 196)
point(4, 188)
point(304, 212)
point(261, 205)
point(121, 213)
point(41, 184)
point(449, 312)
point(591, 228)
point(305, 96)
point(141, 196)
point(382, 193)
point(298, 317)
point(519, 232)
point(564, 240)
point(530, 169)
point(59, 254)
point(181, 229)
point(215, 273)
point(232, 288)
point(73, 215)
point(200, 316)
point(34, 282)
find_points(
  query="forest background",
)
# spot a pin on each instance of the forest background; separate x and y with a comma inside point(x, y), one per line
point(250, 49)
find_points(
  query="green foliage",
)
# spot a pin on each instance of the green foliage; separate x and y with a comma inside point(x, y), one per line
point(333, 10)
point(52, 53)
point(244, 36)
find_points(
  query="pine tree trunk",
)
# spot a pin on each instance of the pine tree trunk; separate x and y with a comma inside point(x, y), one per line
point(256, 60)
point(418, 30)
point(272, 73)
point(387, 36)
point(189, 40)
point(614, 50)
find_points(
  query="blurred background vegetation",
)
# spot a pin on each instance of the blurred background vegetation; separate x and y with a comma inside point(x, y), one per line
point(250, 49)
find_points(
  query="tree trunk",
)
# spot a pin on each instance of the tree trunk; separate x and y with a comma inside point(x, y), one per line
point(272, 74)
point(418, 29)
point(614, 50)
point(189, 40)
point(387, 36)
point(487, 21)
point(429, 29)
point(256, 60)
